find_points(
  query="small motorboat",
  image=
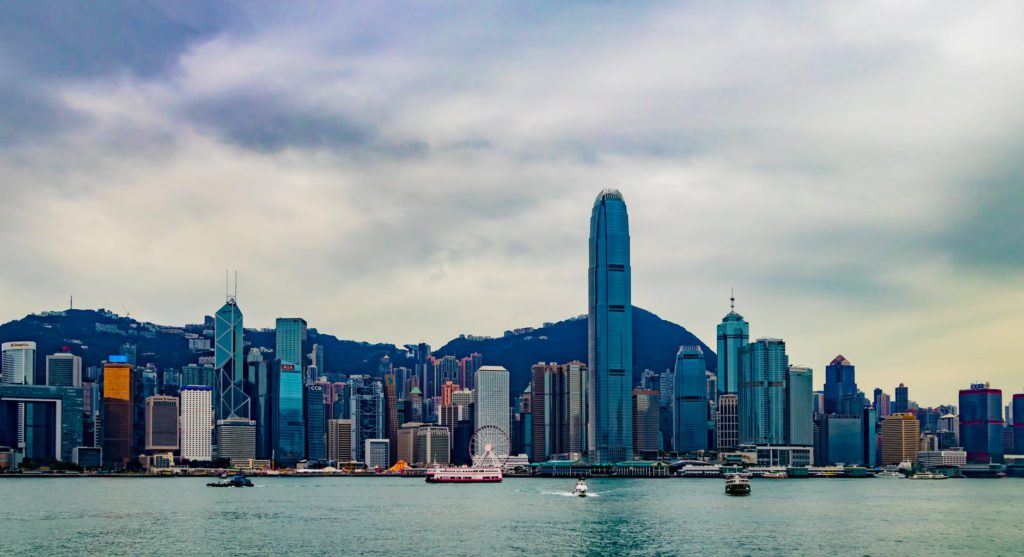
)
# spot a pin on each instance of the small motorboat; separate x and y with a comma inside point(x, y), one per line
point(775, 475)
point(736, 484)
point(581, 488)
point(239, 480)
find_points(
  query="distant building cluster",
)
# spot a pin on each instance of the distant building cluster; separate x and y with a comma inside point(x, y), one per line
point(283, 408)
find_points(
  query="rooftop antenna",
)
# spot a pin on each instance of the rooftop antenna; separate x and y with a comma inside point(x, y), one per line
point(732, 299)
point(236, 285)
point(72, 306)
point(226, 297)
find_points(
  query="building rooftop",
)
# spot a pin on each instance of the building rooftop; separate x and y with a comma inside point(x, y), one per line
point(609, 193)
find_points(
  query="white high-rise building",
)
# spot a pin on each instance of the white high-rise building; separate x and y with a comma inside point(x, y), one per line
point(196, 422)
point(63, 369)
point(378, 453)
point(19, 362)
point(492, 408)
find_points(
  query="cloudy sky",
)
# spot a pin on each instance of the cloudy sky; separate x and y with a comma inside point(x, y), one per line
point(398, 172)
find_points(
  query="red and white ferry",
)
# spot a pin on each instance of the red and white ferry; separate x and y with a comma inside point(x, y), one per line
point(463, 474)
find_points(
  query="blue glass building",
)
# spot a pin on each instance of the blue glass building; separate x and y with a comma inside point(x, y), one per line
point(1017, 409)
point(841, 394)
point(902, 404)
point(288, 429)
point(733, 334)
point(842, 439)
point(290, 340)
point(316, 448)
point(981, 423)
point(691, 403)
point(762, 394)
point(799, 406)
point(610, 332)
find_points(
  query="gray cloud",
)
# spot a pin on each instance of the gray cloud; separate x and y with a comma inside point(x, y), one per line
point(403, 172)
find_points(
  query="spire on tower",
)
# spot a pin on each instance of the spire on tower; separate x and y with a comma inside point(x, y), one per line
point(732, 299)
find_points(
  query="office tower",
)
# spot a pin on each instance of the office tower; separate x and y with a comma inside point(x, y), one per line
point(762, 408)
point(405, 449)
point(558, 409)
point(727, 431)
point(161, 424)
point(314, 403)
point(64, 369)
point(130, 351)
point(576, 380)
point(900, 435)
point(367, 414)
point(290, 342)
point(666, 410)
point(257, 388)
point(491, 406)
point(869, 427)
point(339, 440)
point(733, 334)
point(691, 405)
point(118, 399)
point(378, 453)
point(1017, 411)
point(49, 427)
point(391, 401)
point(981, 423)
point(882, 406)
point(414, 410)
point(949, 432)
point(645, 422)
point(236, 439)
point(799, 406)
point(170, 382)
point(841, 394)
point(842, 439)
point(287, 426)
point(649, 380)
point(711, 383)
point(18, 363)
point(610, 332)
point(446, 369)
point(231, 400)
point(470, 364)
point(193, 374)
point(902, 404)
point(433, 446)
point(197, 423)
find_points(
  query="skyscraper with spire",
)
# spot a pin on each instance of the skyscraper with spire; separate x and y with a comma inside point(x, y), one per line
point(733, 334)
point(610, 332)
point(236, 433)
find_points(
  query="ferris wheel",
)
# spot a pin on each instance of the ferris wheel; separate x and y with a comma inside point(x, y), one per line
point(489, 447)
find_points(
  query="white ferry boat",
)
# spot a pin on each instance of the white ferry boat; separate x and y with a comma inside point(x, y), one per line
point(463, 474)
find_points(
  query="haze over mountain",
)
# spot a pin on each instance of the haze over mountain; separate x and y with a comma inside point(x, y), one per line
point(96, 334)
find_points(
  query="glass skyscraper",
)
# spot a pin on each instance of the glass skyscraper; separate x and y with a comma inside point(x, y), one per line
point(691, 403)
point(290, 341)
point(841, 395)
point(231, 401)
point(762, 396)
point(288, 429)
point(799, 406)
point(733, 334)
point(315, 445)
point(981, 423)
point(902, 403)
point(610, 332)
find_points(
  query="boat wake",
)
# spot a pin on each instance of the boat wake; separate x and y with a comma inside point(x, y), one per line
point(567, 493)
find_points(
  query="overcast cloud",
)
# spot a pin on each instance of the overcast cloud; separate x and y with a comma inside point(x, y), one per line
point(402, 173)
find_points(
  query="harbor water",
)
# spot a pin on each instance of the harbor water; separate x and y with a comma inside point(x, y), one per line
point(533, 516)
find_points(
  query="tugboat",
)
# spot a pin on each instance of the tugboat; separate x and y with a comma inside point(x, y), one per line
point(581, 488)
point(239, 480)
point(736, 484)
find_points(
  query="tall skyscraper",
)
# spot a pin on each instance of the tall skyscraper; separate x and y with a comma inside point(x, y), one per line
point(645, 421)
point(902, 404)
point(197, 423)
point(64, 369)
point(231, 399)
point(491, 405)
point(118, 399)
point(316, 448)
point(900, 438)
point(558, 407)
point(981, 423)
point(610, 332)
point(667, 403)
point(257, 388)
point(290, 342)
point(691, 404)
point(18, 360)
point(799, 406)
point(391, 404)
point(762, 396)
point(161, 424)
point(841, 394)
point(733, 334)
point(367, 414)
point(288, 427)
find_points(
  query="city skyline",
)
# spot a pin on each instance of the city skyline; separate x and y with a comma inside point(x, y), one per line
point(356, 183)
